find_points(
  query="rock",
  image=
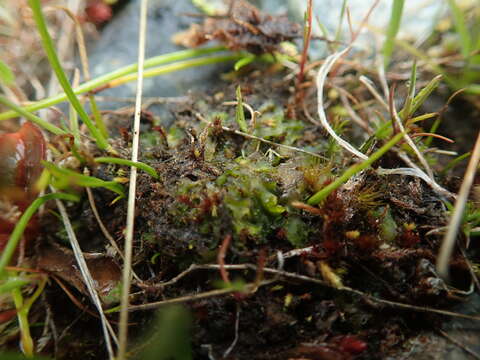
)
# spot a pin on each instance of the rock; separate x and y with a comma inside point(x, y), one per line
point(117, 45)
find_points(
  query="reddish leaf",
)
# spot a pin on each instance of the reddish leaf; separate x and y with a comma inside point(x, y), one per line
point(20, 158)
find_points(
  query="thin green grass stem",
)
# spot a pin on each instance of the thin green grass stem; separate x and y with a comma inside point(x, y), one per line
point(461, 28)
point(33, 118)
point(73, 119)
point(97, 116)
point(105, 79)
point(13, 282)
point(25, 338)
point(139, 165)
point(23, 308)
point(392, 30)
point(61, 76)
point(181, 65)
point(353, 170)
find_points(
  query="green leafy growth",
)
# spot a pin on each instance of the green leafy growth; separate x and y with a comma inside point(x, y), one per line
point(170, 336)
point(250, 197)
point(142, 166)
point(392, 30)
point(420, 98)
point(6, 75)
point(63, 178)
point(387, 227)
point(61, 76)
point(297, 231)
point(22, 223)
point(272, 125)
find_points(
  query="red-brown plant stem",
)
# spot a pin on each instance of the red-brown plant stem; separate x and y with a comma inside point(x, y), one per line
point(307, 34)
point(221, 258)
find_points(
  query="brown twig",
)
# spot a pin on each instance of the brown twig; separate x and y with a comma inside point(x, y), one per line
point(289, 275)
point(189, 298)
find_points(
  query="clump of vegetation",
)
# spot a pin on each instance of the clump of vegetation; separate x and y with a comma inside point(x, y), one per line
point(290, 233)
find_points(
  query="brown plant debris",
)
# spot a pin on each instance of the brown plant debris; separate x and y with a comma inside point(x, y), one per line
point(244, 27)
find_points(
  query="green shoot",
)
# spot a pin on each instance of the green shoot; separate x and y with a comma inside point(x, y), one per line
point(205, 7)
point(407, 109)
point(66, 177)
point(73, 119)
point(461, 28)
point(33, 118)
point(239, 114)
point(353, 170)
point(6, 75)
point(420, 118)
point(112, 160)
point(105, 79)
point(181, 65)
point(82, 49)
point(62, 78)
point(244, 61)
point(338, 32)
point(23, 308)
point(97, 116)
point(454, 163)
point(420, 98)
point(22, 223)
point(11, 283)
point(392, 30)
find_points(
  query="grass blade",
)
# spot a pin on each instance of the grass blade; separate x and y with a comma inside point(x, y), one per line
point(33, 118)
point(461, 28)
point(142, 166)
point(392, 30)
point(104, 79)
point(422, 95)
point(62, 78)
point(65, 177)
point(6, 74)
point(407, 109)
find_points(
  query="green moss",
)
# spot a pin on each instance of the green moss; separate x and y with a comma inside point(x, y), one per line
point(272, 125)
point(297, 231)
point(250, 196)
point(387, 228)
